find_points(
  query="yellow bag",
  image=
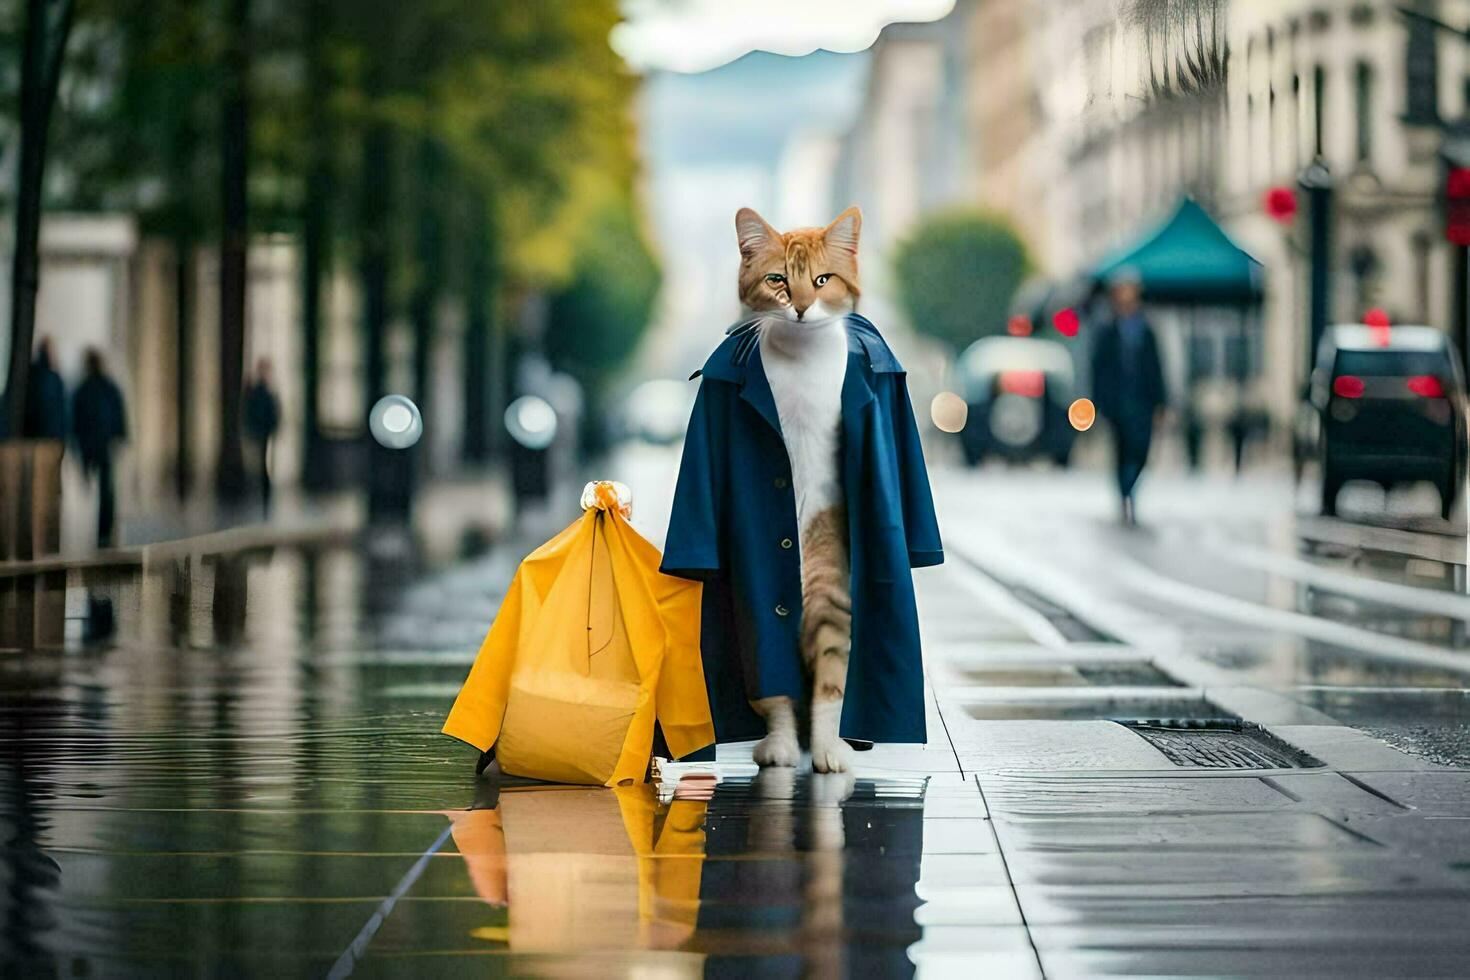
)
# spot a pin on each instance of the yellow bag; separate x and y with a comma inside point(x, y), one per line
point(591, 644)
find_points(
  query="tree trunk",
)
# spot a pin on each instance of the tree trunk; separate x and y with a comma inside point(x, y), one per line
point(423, 308)
point(47, 27)
point(316, 260)
point(234, 251)
point(377, 177)
point(482, 361)
point(388, 479)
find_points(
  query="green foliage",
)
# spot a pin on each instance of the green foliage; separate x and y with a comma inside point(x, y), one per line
point(594, 323)
point(957, 274)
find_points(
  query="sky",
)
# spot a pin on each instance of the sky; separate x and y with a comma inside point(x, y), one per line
point(697, 35)
point(742, 101)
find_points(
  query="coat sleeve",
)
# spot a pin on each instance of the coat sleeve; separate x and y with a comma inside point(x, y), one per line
point(921, 527)
point(692, 548)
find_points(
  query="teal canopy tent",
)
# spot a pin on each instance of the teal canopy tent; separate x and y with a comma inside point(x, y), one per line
point(1188, 260)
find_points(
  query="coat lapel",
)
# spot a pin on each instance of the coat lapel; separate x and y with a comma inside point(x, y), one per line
point(756, 390)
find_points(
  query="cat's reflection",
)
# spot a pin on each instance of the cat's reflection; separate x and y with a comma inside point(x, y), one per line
point(799, 817)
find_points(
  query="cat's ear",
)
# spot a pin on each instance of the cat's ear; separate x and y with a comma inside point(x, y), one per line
point(753, 232)
point(843, 232)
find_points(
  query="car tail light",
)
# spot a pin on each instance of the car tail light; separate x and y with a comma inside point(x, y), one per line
point(1029, 384)
point(1347, 386)
point(1426, 385)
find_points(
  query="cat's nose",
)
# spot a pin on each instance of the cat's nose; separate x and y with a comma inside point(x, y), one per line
point(800, 310)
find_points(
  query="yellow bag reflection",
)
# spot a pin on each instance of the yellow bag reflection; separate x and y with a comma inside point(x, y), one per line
point(581, 869)
point(591, 644)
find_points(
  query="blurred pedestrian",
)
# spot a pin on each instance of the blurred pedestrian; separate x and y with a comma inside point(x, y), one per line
point(45, 413)
point(262, 419)
point(1128, 382)
point(99, 419)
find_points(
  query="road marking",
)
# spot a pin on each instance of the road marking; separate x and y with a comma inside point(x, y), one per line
point(1242, 611)
point(1430, 601)
point(347, 962)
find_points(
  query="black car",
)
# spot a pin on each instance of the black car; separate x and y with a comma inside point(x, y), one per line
point(1018, 390)
point(1390, 409)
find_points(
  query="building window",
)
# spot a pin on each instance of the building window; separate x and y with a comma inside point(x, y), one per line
point(1363, 98)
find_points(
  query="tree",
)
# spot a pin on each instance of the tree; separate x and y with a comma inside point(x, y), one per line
point(957, 274)
point(594, 323)
point(47, 27)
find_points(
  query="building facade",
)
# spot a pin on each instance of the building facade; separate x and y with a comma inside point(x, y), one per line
point(1143, 101)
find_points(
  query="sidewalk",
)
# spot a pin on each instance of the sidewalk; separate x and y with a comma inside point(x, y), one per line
point(1059, 843)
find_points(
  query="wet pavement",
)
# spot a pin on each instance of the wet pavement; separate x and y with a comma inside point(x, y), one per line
point(230, 765)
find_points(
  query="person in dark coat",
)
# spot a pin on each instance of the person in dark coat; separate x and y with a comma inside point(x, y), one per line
point(262, 419)
point(99, 419)
point(733, 505)
point(1128, 383)
point(45, 412)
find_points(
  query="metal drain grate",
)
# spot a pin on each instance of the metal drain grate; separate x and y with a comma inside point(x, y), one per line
point(1220, 743)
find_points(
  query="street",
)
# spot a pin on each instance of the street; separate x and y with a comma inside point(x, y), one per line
point(233, 764)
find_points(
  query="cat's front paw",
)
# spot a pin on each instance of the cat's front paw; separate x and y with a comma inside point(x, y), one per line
point(778, 749)
point(831, 755)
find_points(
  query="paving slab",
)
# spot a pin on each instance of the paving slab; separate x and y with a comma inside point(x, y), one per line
point(1051, 746)
point(1183, 833)
point(1432, 793)
point(1346, 749)
point(1025, 794)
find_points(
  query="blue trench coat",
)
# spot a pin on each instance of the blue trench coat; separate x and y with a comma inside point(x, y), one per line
point(734, 506)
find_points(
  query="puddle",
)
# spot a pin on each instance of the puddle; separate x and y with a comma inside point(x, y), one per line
point(1097, 709)
point(1120, 674)
point(1385, 618)
point(1432, 725)
point(223, 766)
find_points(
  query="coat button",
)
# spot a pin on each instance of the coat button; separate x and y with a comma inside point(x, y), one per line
point(781, 610)
point(786, 543)
point(780, 482)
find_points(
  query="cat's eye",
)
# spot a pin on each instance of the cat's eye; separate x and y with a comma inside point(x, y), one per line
point(774, 279)
point(822, 279)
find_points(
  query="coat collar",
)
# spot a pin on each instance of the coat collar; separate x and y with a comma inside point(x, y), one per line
point(732, 360)
point(738, 361)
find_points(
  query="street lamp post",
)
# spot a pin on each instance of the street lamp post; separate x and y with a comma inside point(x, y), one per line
point(1455, 199)
point(1316, 181)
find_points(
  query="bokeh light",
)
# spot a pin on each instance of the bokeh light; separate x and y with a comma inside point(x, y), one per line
point(1019, 325)
point(395, 422)
point(1066, 321)
point(531, 421)
point(1082, 413)
point(949, 412)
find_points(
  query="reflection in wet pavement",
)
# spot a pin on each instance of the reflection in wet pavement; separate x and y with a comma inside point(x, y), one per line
point(1431, 724)
point(232, 765)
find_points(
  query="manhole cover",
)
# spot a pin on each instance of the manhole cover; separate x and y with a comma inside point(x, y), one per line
point(1221, 743)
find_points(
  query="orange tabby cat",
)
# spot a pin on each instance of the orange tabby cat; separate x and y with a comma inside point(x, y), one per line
point(801, 285)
